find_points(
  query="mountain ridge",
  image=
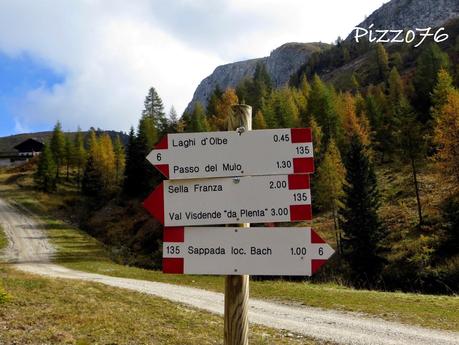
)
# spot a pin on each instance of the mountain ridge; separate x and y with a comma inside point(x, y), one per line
point(287, 59)
point(280, 64)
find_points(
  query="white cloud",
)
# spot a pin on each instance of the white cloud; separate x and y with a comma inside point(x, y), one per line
point(111, 52)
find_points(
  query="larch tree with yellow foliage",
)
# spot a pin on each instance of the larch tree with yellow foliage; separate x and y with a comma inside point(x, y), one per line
point(446, 136)
point(259, 121)
point(331, 176)
point(351, 123)
point(223, 110)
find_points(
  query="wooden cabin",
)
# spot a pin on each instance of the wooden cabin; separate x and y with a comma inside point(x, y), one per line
point(29, 148)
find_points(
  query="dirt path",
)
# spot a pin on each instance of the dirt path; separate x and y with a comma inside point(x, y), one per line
point(30, 251)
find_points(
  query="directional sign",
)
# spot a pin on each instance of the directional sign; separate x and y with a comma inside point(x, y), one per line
point(221, 154)
point(259, 251)
point(249, 199)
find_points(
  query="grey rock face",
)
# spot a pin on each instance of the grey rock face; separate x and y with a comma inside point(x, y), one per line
point(411, 14)
point(288, 58)
point(280, 64)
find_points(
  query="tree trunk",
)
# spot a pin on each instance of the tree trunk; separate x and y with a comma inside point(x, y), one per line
point(335, 225)
point(416, 187)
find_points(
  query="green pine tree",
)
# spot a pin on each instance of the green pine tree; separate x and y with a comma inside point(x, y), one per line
point(428, 64)
point(412, 146)
point(382, 62)
point(69, 155)
point(120, 160)
point(57, 146)
point(363, 232)
point(199, 121)
point(79, 154)
point(154, 109)
point(45, 176)
point(329, 185)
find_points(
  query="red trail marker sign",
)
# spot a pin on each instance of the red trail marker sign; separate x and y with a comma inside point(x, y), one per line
point(225, 154)
point(234, 251)
point(249, 199)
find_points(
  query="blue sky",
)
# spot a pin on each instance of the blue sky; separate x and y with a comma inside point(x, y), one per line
point(90, 63)
point(19, 75)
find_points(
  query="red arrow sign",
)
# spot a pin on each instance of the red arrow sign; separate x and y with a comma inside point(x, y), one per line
point(226, 154)
point(249, 199)
point(259, 251)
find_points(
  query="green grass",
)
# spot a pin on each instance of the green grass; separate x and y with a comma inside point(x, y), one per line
point(57, 311)
point(79, 251)
point(3, 241)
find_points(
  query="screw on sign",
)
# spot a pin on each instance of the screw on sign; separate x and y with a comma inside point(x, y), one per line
point(227, 154)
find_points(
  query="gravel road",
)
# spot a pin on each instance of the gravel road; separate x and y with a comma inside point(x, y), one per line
point(30, 251)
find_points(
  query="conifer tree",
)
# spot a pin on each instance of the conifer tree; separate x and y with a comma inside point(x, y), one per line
point(259, 121)
point(79, 154)
point(198, 120)
point(92, 184)
point(107, 165)
point(363, 233)
point(173, 120)
point(351, 123)
point(45, 176)
point(382, 62)
point(57, 146)
point(214, 98)
point(120, 160)
point(130, 172)
point(223, 113)
point(329, 186)
point(139, 175)
point(429, 63)
point(396, 91)
point(317, 137)
point(440, 92)
point(147, 126)
point(154, 109)
point(69, 155)
point(286, 111)
point(411, 145)
point(446, 136)
point(322, 104)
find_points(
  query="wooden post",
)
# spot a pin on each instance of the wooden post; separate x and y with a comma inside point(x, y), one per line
point(237, 286)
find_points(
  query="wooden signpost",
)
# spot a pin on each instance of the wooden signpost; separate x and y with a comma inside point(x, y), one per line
point(239, 176)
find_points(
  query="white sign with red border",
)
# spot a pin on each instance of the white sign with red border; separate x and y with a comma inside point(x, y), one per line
point(233, 251)
point(223, 154)
point(247, 199)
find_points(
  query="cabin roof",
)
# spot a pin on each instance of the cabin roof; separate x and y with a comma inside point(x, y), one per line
point(30, 145)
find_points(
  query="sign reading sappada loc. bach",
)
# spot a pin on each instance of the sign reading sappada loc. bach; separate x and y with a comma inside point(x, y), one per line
point(220, 154)
point(248, 199)
point(230, 251)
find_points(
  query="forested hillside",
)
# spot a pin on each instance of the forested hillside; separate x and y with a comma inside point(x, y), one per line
point(386, 137)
